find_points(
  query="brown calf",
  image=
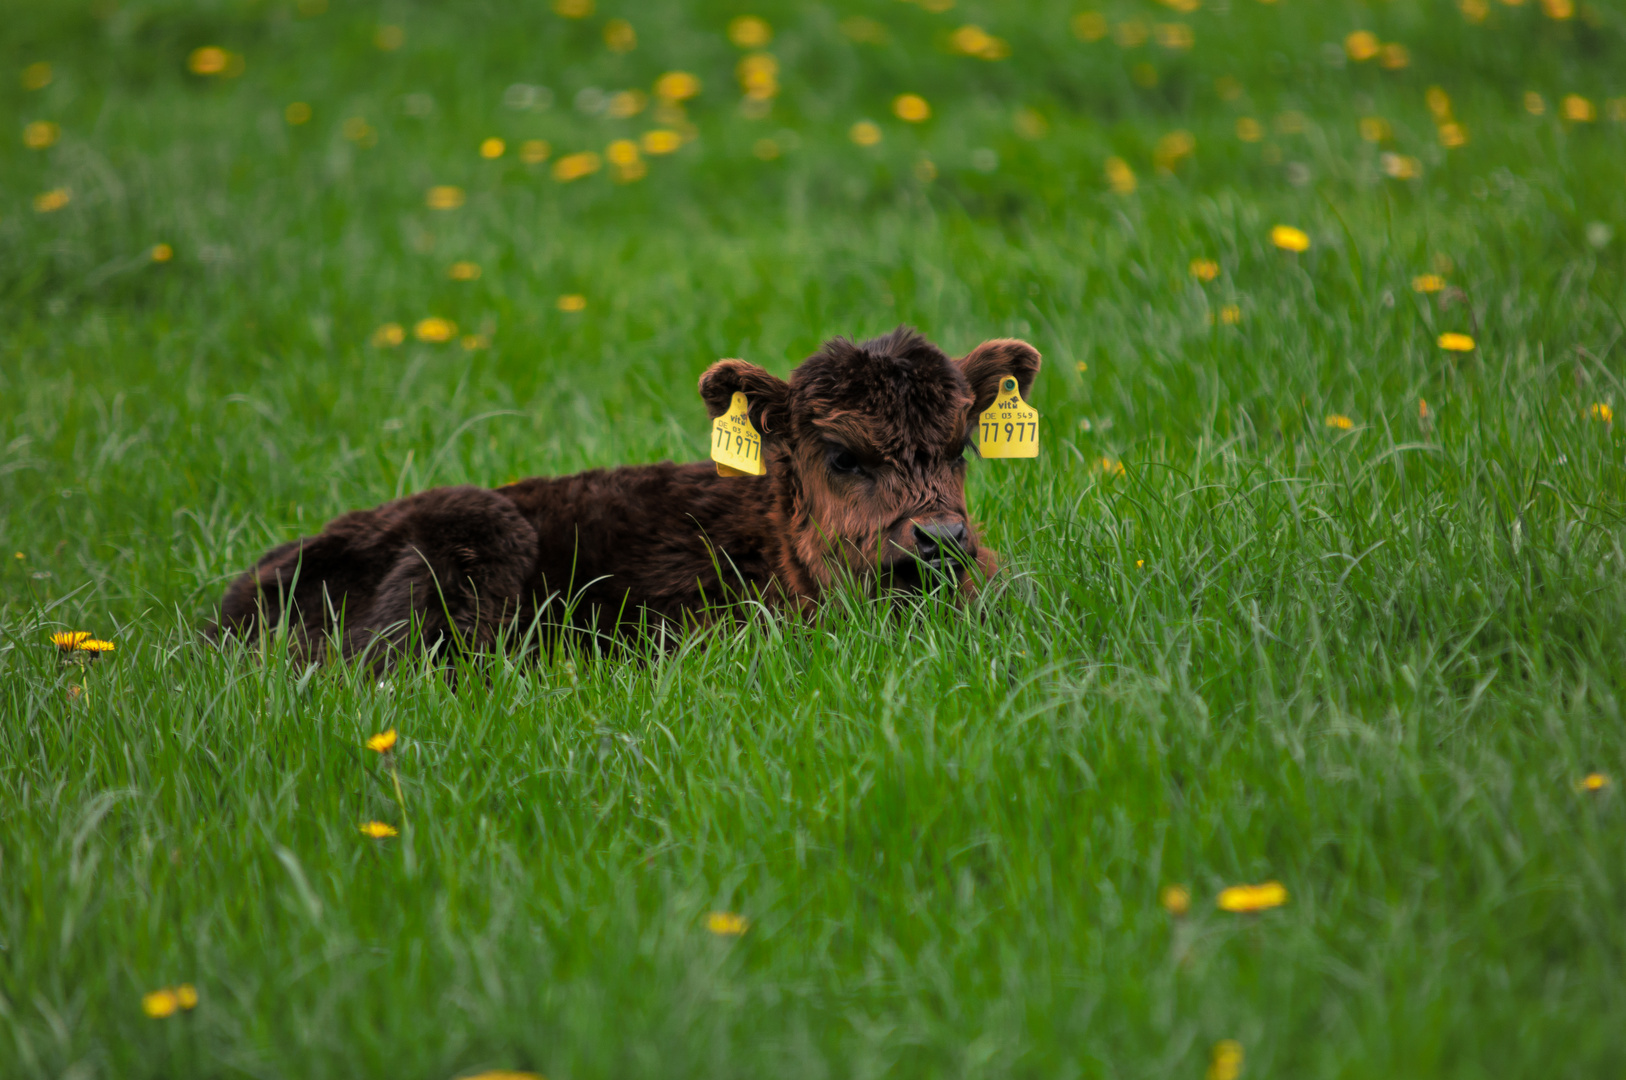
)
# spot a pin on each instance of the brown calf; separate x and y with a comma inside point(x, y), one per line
point(864, 450)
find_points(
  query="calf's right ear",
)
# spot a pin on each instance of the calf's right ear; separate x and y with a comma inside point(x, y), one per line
point(991, 361)
point(766, 394)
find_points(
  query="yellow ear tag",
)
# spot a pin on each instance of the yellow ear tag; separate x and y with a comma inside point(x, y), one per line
point(736, 446)
point(1010, 426)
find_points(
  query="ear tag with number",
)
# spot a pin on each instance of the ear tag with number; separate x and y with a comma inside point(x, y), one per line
point(736, 446)
point(1010, 426)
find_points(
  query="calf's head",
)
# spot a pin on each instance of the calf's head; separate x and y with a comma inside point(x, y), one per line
point(865, 449)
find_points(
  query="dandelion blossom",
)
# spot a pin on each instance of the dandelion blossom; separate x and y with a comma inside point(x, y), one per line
point(1452, 342)
point(389, 335)
point(434, 329)
point(865, 133)
point(383, 742)
point(1579, 109)
point(750, 32)
point(1362, 45)
point(661, 141)
point(1120, 177)
point(71, 639)
point(1428, 283)
point(1176, 899)
point(677, 86)
point(41, 134)
point(492, 148)
point(209, 60)
point(464, 271)
point(445, 197)
point(912, 108)
point(1204, 269)
point(1592, 782)
point(378, 830)
point(1601, 411)
point(160, 1003)
point(620, 36)
point(1225, 1060)
point(727, 924)
point(48, 202)
point(534, 151)
point(1340, 421)
point(186, 995)
point(572, 302)
point(1253, 897)
point(575, 166)
point(1288, 238)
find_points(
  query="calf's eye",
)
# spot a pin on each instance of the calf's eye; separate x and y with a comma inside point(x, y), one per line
point(843, 460)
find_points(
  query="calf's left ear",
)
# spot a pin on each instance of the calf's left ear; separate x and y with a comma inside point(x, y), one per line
point(766, 394)
point(991, 361)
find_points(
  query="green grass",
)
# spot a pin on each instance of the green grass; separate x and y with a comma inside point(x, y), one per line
point(1371, 663)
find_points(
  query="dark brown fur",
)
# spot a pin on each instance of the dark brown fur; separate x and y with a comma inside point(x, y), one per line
point(864, 475)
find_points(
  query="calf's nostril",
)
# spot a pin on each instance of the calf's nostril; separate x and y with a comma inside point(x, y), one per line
point(935, 542)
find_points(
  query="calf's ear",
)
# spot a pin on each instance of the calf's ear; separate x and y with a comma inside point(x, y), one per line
point(767, 394)
point(991, 361)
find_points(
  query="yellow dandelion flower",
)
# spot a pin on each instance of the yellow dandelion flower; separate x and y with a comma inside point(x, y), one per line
point(75, 692)
point(1395, 56)
point(534, 151)
point(1474, 11)
point(1081, 367)
point(297, 113)
point(727, 924)
point(1225, 1060)
point(1249, 130)
point(18, 555)
point(186, 995)
point(41, 134)
point(750, 32)
point(661, 141)
point(620, 36)
point(1230, 314)
point(1423, 412)
point(1453, 135)
point(1534, 104)
point(1592, 782)
point(160, 1003)
point(1375, 129)
point(1340, 421)
point(1089, 26)
point(573, 9)
point(575, 166)
point(1204, 269)
point(572, 302)
point(209, 60)
point(864, 133)
point(492, 147)
point(677, 86)
point(1362, 45)
point(1176, 36)
point(1558, 9)
point(96, 645)
point(36, 76)
point(1252, 897)
point(1288, 238)
point(1579, 109)
point(358, 130)
point(1111, 466)
point(1439, 103)
point(911, 108)
point(1400, 166)
point(1176, 899)
point(1140, 564)
point(1601, 411)
point(626, 103)
point(378, 830)
point(1171, 148)
point(1120, 177)
point(445, 197)
point(1427, 283)
point(621, 152)
point(434, 329)
point(389, 335)
point(1453, 342)
point(464, 271)
point(383, 742)
point(71, 639)
point(48, 202)
point(388, 38)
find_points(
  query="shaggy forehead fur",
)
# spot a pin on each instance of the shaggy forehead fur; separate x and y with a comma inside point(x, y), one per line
point(887, 397)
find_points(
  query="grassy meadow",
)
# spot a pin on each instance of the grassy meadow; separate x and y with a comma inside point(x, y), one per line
point(1320, 578)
